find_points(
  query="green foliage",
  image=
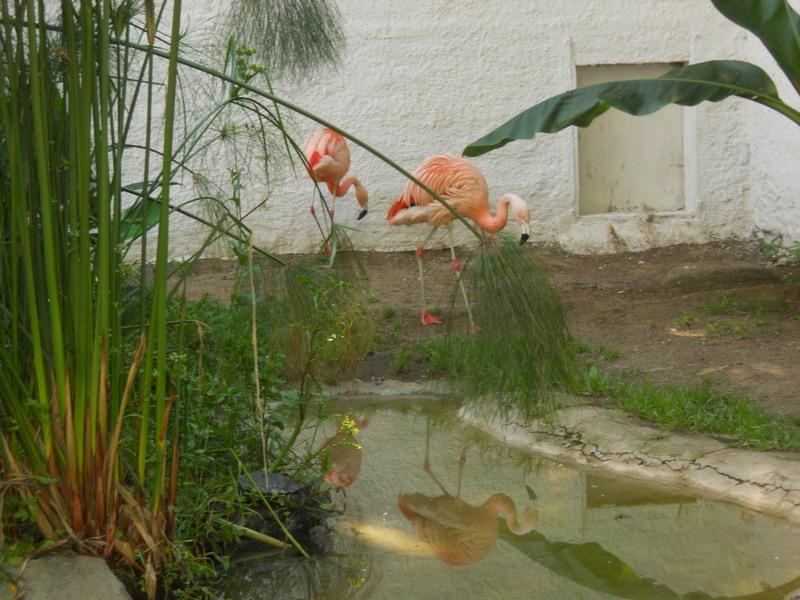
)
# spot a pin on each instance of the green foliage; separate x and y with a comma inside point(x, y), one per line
point(401, 360)
point(319, 316)
point(304, 35)
point(698, 408)
point(773, 21)
point(114, 427)
point(794, 255)
point(522, 353)
point(732, 305)
point(768, 250)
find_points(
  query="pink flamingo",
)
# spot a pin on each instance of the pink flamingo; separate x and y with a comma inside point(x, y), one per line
point(461, 183)
point(329, 160)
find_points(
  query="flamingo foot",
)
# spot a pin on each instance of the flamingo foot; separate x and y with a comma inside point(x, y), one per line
point(456, 266)
point(474, 328)
point(429, 319)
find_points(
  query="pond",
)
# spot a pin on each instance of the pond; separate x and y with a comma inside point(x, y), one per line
point(485, 522)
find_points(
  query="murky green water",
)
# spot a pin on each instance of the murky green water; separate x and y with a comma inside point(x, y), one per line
point(406, 533)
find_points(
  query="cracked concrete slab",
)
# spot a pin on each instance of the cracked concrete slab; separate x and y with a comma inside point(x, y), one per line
point(615, 441)
point(610, 439)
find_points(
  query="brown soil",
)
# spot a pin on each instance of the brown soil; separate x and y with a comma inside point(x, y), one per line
point(645, 314)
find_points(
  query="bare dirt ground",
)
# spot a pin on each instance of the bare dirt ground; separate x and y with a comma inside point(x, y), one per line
point(654, 314)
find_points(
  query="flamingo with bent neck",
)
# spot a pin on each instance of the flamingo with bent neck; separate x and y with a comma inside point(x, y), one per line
point(329, 160)
point(461, 184)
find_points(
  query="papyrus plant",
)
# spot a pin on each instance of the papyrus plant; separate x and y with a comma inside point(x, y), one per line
point(73, 380)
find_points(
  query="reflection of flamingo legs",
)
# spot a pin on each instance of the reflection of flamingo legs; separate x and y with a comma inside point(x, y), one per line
point(426, 465)
point(459, 533)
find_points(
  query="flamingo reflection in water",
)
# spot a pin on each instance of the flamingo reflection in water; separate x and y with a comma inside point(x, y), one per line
point(459, 533)
point(345, 452)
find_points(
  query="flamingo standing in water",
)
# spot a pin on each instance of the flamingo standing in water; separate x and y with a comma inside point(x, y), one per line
point(329, 160)
point(461, 183)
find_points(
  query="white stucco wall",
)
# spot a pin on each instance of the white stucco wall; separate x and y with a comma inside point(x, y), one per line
point(422, 77)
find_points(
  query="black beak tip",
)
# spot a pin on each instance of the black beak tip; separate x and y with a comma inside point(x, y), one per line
point(361, 215)
point(523, 238)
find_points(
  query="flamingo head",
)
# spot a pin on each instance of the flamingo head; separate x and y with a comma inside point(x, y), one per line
point(522, 215)
point(362, 197)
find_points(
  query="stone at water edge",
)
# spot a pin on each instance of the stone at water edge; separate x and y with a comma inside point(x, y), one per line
point(69, 577)
point(278, 484)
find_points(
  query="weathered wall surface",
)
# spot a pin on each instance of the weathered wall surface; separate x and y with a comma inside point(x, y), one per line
point(425, 77)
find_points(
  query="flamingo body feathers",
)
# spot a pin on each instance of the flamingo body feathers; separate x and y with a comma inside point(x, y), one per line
point(461, 184)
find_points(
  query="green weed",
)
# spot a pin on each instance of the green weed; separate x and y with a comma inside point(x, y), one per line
point(728, 305)
point(402, 360)
point(696, 408)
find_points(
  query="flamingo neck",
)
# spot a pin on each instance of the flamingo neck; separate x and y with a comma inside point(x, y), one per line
point(494, 223)
point(500, 503)
point(343, 186)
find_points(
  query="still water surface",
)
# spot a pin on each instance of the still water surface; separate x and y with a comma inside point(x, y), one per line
point(487, 522)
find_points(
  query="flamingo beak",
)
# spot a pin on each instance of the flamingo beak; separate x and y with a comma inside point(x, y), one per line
point(523, 238)
point(361, 215)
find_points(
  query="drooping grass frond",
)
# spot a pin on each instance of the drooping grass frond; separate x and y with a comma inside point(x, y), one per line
point(521, 357)
point(304, 35)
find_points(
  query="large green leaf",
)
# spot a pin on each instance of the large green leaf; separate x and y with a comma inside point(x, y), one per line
point(689, 85)
point(775, 23)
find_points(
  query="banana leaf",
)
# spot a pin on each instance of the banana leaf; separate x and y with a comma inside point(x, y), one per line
point(775, 23)
point(688, 86)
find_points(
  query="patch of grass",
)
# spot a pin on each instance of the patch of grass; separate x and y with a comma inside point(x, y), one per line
point(794, 255)
point(600, 351)
point(685, 321)
point(388, 337)
point(768, 250)
point(739, 330)
point(402, 360)
point(388, 313)
point(439, 356)
point(697, 408)
point(727, 305)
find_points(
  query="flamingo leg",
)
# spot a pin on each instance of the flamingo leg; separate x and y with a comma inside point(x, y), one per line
point(333, 201)
point(461, 462)
point(427, 318)
point(457, 267)
point(426, 465)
